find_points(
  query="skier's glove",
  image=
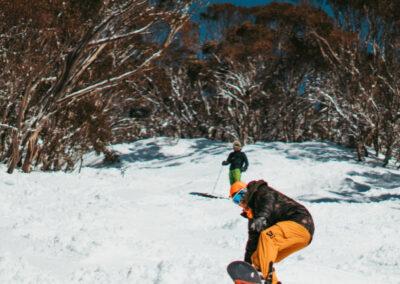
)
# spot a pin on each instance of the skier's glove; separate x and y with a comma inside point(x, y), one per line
point(259, 224)
point(243, 169)
point(224, 163)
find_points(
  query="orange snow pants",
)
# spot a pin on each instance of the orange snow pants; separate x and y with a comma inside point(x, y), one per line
point(277, 242)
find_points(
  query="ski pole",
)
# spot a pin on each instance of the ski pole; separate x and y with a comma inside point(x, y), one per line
point(215, 185)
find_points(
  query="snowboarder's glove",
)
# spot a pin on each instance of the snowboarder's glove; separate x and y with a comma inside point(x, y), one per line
point(243, 169)
point(225, 163)
point(259, 224)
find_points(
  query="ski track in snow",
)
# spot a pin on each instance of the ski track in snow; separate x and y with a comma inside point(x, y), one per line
point(134, 222)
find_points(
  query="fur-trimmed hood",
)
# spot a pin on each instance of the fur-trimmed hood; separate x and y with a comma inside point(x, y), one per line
point(252, 188)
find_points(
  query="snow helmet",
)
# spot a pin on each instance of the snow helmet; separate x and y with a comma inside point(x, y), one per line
point(237, 144)
point(237, 186)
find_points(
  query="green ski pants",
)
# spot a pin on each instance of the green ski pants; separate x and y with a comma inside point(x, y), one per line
point(234, 175)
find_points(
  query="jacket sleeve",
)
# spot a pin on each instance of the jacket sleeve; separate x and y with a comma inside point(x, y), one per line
point(230, 158)
point(251, 244)
point(264, 203)
point(246, 161)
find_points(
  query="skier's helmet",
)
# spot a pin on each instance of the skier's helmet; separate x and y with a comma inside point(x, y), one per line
point(237, 145)
point(236, 187)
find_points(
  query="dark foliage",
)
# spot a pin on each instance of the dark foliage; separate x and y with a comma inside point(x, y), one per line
point(79, 75)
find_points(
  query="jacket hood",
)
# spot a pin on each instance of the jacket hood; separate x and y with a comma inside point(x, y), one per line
point(252, 188)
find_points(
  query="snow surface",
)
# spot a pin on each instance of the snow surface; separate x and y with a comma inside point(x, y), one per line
point(135, 222)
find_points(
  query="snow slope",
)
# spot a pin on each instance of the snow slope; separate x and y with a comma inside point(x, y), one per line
point(135, 222)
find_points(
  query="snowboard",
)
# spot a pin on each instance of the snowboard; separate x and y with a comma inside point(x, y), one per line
point(203, 194)
point(243, 273)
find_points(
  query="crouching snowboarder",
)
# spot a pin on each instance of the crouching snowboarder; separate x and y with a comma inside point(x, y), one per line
point(278, 225)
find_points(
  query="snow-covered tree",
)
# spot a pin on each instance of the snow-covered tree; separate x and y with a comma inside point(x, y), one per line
point(67, 64)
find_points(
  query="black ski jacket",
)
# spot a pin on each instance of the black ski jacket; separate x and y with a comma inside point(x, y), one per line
point(267, 202)
point(237, 159)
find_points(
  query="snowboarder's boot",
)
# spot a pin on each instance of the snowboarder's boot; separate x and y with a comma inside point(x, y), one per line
point(270, 275)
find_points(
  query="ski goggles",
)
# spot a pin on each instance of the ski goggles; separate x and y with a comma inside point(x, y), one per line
point(239, 196)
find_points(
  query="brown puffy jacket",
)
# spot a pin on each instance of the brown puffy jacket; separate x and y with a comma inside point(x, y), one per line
point(267, 202)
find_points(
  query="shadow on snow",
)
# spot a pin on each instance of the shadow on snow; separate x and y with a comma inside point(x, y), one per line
point(143, 152)
point(357, 192)
point(351, 191)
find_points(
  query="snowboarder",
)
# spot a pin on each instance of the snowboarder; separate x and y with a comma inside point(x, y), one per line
point(238, 161)
point(278, 225)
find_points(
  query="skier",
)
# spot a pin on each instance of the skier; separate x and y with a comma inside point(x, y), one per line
point(278, 225)
point(238, 161)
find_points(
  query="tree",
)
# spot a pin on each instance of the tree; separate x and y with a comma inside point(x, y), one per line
point(365, 89)
point(80, 60)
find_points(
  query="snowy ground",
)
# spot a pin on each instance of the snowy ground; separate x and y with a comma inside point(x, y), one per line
point(135, 222)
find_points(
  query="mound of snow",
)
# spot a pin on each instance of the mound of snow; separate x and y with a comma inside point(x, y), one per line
point(135, 221)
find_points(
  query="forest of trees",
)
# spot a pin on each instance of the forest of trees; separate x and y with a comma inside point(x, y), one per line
point(79, 75)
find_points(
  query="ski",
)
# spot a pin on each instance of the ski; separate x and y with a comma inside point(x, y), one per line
point(207, 195)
